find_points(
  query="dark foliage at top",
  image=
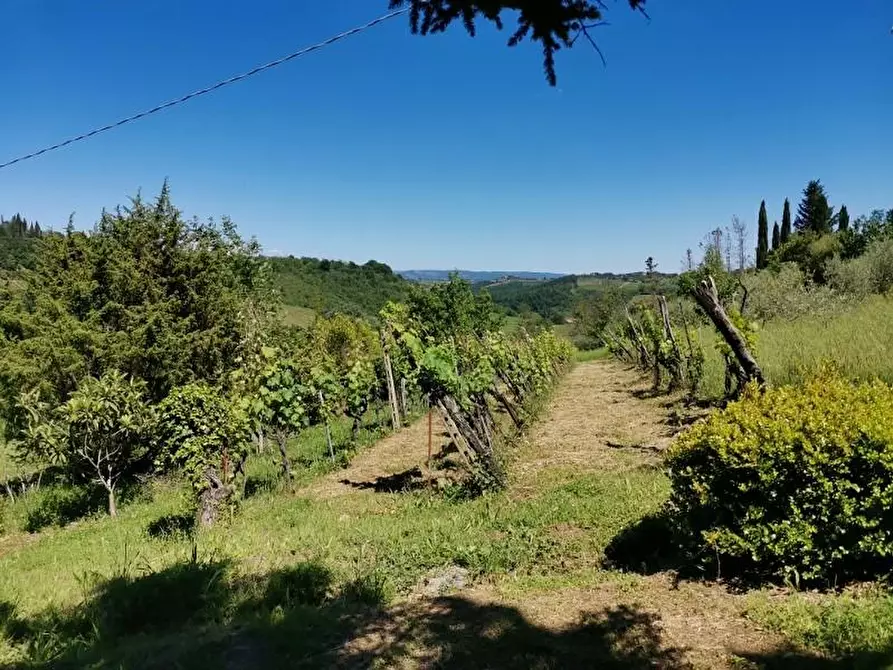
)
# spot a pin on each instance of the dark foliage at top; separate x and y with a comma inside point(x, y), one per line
point(553, 23)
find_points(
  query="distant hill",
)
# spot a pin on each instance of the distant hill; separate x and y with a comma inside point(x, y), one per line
point(475, 276)
point(556, 299)
point(326, 286)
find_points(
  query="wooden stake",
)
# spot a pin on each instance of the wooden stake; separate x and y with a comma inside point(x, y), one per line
point(392, 391)
point(404, 399)
point(328, 432)
point(430, 432)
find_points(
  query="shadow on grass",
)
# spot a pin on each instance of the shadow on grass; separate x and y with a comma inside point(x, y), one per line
point(785, 659)
point(653, 544)
point(199, 615)
point(59, 504)
point(172, 526)
point(409, 480)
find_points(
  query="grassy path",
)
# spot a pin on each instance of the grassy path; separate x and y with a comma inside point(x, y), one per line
point(600, 423)
point(395, 460)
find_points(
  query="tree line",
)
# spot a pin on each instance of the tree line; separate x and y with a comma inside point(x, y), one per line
point(154, 344)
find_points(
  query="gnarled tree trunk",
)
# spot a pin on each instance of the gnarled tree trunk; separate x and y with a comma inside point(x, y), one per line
point(477, 442)
point(209, 502)
point(706, 295)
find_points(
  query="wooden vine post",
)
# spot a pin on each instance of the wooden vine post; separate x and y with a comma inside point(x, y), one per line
point(706, 295)
point(322, 403)
point(644, 356)
point(677, 374)
point(404, 399)
point(430, 432)
point(392, 390)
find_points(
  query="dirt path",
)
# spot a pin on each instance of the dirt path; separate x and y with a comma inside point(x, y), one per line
point(392, 463)
point(601, 418)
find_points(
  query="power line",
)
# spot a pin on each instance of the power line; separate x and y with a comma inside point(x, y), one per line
point(209, 89)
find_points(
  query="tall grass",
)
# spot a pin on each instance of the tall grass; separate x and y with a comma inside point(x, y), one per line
point(858, 339)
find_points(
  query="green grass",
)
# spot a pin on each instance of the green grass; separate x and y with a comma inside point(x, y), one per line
point(367, 547)
point(511, 324)
point(858, 339)
point(593, 355)
point(298, 316)
point(857, 625)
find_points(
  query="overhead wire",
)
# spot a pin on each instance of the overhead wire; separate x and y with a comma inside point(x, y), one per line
point(203, 91)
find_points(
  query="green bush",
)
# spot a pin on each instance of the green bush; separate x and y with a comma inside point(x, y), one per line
point(206, 436)
point(869, 273)
point(787, 294)
point(795, 482)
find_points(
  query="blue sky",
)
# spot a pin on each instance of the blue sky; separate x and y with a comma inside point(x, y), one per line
point(449, 151)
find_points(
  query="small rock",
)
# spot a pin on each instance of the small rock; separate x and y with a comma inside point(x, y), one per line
point(443, 580)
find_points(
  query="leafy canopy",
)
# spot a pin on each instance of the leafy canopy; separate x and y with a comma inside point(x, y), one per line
point(202, 433)
point(157, 297)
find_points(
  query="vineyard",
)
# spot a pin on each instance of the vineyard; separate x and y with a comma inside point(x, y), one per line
point(191, 479)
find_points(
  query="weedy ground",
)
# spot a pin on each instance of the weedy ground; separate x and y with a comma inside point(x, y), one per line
point(345, 566)
point(857, 337)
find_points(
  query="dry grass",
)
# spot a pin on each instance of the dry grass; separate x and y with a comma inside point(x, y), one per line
point(396, 454)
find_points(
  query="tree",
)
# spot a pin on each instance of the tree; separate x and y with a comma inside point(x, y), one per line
point(843, 219)
point(650, 269)
point(776, 237)
point(814, 214)
point(595, 312)
point(762, 238)
point(147, 293)
point(786, 222)
point(556, 24)
point(100, 432)
point(206, 437)
point(739, 230)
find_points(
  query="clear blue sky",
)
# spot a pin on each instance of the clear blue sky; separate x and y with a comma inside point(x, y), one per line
point(448, 151)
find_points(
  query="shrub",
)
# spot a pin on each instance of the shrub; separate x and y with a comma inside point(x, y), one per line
point(203, 433)
point(786, 293)
point(870, 273)
point(796, 482)
point(852, 278)
point(809, 251)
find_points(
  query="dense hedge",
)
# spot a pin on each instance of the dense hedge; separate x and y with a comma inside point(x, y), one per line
point(796, 482)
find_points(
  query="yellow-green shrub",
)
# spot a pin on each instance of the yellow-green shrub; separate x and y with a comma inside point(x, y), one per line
point(795, 482)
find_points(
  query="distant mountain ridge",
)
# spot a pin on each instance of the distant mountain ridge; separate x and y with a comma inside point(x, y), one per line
point(476, 276)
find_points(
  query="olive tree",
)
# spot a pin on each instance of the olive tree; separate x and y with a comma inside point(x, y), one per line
point(100, 432)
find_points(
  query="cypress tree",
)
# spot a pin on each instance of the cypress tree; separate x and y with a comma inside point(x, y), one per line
point(814, 214)
point(786, 222)
point(776, 237)
point(762, 238)
point(843, 219)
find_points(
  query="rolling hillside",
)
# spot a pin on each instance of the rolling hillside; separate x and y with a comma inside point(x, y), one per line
point(312, 285)
point(556, 299)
